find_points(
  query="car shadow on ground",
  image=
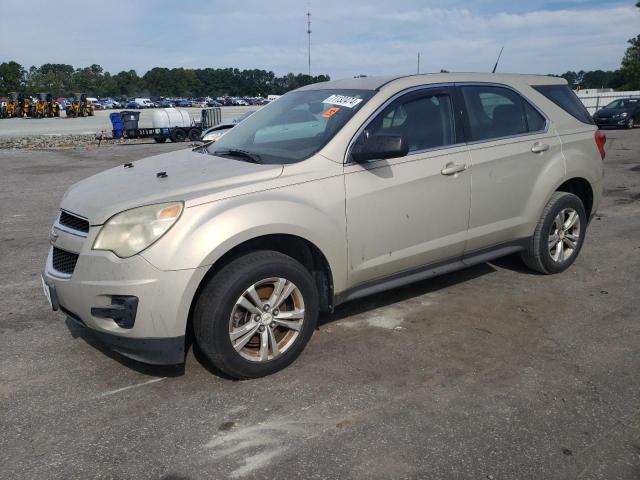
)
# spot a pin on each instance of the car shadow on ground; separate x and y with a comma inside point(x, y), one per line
point(343, 311)
point(143, 368)
point(400, 294)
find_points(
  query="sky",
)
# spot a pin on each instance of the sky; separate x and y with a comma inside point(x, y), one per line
point(349, 37)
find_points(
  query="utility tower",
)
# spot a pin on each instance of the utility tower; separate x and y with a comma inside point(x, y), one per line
point(309, 39)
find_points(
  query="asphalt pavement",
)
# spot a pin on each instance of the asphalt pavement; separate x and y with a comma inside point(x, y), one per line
point(489, 373)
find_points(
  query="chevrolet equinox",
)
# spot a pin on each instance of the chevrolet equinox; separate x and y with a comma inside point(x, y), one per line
point(335, 191)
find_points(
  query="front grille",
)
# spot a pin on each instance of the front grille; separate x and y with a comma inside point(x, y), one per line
point(72, 221)
point(63, 261)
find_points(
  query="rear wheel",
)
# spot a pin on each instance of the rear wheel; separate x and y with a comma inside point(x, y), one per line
point(558, 236)
point(178, 135)
point(194, 134)
point(256, 315)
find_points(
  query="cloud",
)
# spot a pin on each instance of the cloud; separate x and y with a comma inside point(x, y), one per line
point(357, 37)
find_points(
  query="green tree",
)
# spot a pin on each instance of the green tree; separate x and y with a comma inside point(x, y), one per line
point(127, 83)
point(11, 77)
point(630, 70)
point(53, 78)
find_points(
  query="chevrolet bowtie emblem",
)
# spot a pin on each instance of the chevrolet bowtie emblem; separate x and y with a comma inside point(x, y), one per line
point(53, 235)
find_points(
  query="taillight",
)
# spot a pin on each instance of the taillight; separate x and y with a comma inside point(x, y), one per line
point(601, 139)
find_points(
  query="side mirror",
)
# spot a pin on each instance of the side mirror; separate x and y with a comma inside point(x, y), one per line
point(379, 147)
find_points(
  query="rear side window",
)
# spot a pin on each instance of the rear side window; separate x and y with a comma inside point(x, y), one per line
point(567, 100)
point(496, 112)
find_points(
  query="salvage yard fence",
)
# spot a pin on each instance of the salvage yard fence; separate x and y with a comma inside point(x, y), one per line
point(594, 100)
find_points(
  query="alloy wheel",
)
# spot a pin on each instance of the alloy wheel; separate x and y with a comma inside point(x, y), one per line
point(565, 235)
point(267, 319)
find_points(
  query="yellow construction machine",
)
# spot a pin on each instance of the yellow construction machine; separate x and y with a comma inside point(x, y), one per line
point(79, 106)
point(39, 108)
point(10, 108)
point(53, 107)
point(24, 106)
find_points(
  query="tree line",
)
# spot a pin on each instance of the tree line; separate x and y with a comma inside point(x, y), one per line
point(61, 80)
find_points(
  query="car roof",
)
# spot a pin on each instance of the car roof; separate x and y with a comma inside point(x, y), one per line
point(376, 83)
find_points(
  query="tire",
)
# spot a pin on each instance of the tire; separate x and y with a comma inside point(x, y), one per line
point(540, 255)
point(160, 139)
point(630, 124)
point(194, 134)
point(217, 311)
point(178, 135)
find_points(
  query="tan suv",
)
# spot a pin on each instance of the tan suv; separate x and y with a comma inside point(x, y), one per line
point(335, 191)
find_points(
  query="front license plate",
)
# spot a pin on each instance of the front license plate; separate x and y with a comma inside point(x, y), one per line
point(47, 291)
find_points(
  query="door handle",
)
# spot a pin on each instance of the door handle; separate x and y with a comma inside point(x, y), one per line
point(453, 168)
point(539, 147)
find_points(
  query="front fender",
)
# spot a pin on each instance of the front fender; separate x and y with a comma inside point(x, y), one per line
point(206, 232)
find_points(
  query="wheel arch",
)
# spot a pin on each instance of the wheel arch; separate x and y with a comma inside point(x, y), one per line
point(297, 247)
point(581, 188)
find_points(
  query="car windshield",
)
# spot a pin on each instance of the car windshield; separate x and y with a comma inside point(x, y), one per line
point(294, 127)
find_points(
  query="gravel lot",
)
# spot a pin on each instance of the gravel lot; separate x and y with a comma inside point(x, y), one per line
point(489, 373)
point(17, 127)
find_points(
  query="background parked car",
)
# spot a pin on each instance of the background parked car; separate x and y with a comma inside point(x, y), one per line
point(184, 103)
point(165, 103)
point(621, 113)
point(107, 103)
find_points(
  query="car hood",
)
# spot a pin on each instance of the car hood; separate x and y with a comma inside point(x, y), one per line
point(609, 112)
point(189, 176)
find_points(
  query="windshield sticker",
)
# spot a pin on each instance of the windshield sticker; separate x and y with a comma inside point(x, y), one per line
point(331, 112)
point(343, 101)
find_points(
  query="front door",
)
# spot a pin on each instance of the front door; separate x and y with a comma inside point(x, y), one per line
point(407, 212)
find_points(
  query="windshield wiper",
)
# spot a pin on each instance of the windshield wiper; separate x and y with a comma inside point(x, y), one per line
point(251, 157)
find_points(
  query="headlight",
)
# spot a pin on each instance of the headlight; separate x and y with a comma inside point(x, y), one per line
point(131, 231)
point(213, 136)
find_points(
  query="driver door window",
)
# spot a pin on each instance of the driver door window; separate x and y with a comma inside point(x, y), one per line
point(424, 120)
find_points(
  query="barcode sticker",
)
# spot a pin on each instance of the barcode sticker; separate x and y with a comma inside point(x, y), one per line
point(343, 101)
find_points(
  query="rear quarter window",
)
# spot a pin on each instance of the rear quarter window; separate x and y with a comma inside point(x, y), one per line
point(567, 100)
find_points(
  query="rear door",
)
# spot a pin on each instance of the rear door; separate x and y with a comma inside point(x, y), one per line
point(410, 211)
point(513, 148)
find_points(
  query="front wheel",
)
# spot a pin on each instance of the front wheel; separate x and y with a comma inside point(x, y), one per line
point(255, 316)
point(630, 123)
point(559, 235)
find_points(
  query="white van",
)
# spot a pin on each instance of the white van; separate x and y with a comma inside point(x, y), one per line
point(144, 102)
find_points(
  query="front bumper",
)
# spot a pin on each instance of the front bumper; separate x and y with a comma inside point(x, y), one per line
point(156, 333)
point(154, 351)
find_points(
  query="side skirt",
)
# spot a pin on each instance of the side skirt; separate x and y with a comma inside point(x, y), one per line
point(431, 270)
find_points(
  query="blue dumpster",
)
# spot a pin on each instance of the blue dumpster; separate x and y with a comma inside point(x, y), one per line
point(117, 124)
